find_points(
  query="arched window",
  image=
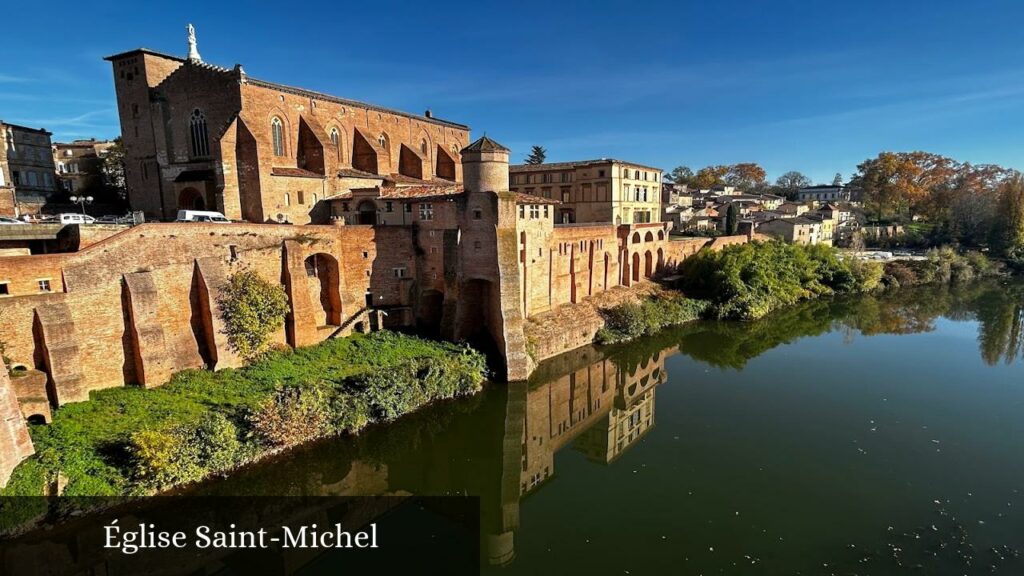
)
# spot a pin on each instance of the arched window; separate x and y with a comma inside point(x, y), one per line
point(382, 140)
point(277, 132)
point(336, 141)
point(199, 137)
point(423, 147)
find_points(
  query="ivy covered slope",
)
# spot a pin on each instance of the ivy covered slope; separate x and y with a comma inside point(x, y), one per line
point(137, 441)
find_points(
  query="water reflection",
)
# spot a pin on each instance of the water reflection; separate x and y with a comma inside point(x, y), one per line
point(997, 307)
point(503, 445)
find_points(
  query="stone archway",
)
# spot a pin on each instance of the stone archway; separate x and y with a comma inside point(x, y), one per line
point(648, 264)
point(322, 281)
point(636, 267)
point(191, 199)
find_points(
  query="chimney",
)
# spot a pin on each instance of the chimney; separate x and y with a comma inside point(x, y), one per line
point(428, 113)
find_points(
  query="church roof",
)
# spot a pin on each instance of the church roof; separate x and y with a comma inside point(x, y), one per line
point(293, 90)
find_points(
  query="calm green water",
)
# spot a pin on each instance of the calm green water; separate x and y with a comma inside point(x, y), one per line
point(874, 435)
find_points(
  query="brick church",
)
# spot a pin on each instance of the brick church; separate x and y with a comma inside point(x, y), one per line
point(199, 136)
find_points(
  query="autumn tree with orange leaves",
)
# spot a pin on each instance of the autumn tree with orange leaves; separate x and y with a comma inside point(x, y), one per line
point(745, 176)
point(898, 183)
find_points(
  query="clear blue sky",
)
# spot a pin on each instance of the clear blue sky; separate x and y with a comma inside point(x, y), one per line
point(814, 86)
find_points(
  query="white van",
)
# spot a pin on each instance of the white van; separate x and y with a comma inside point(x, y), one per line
point(201, 216)
point(75, 219)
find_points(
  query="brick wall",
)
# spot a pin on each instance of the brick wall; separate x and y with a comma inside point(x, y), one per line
point(15, 443)
point(137, 306)
point(7, 204)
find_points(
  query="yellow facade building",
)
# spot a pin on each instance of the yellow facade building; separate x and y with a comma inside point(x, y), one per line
point(604, 190)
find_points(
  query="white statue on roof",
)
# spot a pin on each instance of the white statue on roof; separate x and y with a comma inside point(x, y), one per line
point(193, 52)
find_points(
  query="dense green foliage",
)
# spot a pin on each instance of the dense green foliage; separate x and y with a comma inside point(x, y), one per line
point(253, 309)
point(942, 266)
point(131, 440)
point(632, 320)
point(747, 281)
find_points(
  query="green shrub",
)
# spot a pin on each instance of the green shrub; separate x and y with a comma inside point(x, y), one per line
point(216, 442)
point(750, 280)
point(942, 266)
point(292, 416)
point(252, 309)
point(162, 459)
point(632, 320)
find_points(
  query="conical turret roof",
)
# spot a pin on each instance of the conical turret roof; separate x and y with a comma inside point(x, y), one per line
point(485, 144)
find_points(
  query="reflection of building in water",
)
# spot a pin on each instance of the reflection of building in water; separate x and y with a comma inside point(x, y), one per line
point(607, 405)
point(604, 405)
point(619, 429)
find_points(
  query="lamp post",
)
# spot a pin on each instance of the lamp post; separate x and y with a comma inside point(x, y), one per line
point(82, 200)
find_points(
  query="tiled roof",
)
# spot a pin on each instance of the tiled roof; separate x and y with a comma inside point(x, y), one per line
point(298, 91)
point(574, 164)
point(353, 173)
point(144, 51)
point(346, 101)
point(295, 172)
point(485, 144)
point(27, 128)
point(531, 199)
point(420, 192)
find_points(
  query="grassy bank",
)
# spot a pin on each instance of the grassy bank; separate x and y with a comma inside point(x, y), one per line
point(136, 441)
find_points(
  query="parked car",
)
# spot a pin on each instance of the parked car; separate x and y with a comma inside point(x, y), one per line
point(201, 216)
point(5, 220)
point(75, 219)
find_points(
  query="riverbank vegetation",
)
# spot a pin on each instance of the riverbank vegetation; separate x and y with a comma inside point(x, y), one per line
point(645, 318)
point(940, 266)
point(128, 441)
point(747, 281)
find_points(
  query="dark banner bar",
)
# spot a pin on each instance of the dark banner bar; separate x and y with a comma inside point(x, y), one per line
point(241, 535)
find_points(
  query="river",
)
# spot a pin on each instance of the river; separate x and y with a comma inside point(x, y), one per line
point(867, 435)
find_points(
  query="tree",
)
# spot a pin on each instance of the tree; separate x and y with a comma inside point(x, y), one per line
point(790, 182)
point(252, 309)
point(732, 219)
point(1008, 232)
point(837, 180)
point(681, 175)
point(537, 155)
point(113, 170)
point(963, 207)
point(897, 182)
point(709, 176)
point(745, 176)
